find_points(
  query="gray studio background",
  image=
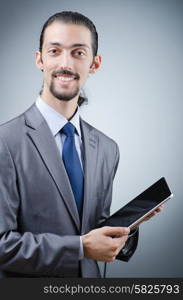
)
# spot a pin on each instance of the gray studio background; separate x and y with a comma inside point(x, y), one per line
point(136, 98)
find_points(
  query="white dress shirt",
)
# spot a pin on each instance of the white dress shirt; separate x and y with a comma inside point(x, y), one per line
point(56, 122)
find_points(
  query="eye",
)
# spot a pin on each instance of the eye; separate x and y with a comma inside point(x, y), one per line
point(79, 53)
point(52, 51)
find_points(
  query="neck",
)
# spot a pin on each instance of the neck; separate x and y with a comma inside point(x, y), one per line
point(65, 108)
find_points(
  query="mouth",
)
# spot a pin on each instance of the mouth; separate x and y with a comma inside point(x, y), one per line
point(65, 78)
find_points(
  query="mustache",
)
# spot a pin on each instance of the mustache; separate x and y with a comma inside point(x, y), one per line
point(66, 72)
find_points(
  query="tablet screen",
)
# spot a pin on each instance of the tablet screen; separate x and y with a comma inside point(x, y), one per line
point(140, 206)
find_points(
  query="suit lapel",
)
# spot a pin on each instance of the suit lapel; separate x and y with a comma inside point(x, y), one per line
point(44, 141)
point(90, 142)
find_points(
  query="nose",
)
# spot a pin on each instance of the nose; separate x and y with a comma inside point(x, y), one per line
point(66, 61)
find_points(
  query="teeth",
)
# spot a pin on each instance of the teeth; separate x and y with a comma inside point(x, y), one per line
point(65, 78)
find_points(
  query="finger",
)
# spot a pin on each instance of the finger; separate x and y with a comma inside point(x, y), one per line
point(116, 231)
point(152, 214)
point(160, 208)
point(120, 242)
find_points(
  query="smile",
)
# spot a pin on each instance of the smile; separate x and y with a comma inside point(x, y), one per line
point(65, 78)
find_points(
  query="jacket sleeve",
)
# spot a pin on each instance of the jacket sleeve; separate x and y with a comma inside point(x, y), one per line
point(128, 250)
point(27, 253)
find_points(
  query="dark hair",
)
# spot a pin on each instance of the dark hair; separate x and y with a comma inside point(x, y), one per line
point(70, 17)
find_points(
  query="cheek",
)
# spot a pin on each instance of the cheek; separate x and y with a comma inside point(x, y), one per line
point(49, 64)
point(83, 78)
point(84, 72)
point(48, 70)
point(49, 67)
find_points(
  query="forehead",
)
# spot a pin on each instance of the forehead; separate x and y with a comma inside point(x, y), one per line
point(67, 34)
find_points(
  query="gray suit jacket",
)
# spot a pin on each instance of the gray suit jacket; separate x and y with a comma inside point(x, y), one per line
point(39, 221)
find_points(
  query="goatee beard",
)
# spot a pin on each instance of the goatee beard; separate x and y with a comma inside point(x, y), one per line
point(63, 96)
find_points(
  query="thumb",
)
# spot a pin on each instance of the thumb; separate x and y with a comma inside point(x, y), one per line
point(115, 231)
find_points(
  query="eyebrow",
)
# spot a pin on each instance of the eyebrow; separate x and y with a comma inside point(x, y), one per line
point(71, 46)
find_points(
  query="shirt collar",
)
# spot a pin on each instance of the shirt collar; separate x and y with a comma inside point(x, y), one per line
point(55, 120)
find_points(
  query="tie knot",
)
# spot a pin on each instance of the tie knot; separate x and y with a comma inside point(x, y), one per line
point(69, 129)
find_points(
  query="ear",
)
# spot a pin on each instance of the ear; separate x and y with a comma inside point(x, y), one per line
point(96, 64)
point(38, 60)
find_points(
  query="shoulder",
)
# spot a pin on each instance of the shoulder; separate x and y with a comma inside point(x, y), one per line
point(18, 125)
point(105, 142)
point(12, 131)
point(12, 128)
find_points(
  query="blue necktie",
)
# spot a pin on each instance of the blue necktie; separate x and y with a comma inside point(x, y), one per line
point(72, 165)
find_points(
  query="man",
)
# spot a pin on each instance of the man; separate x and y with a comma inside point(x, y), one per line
point(57, 171)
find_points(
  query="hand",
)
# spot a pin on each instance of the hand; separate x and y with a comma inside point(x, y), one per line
point(157, 210)
point(104, 244)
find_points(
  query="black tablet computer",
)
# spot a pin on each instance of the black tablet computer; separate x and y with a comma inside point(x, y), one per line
point(136, 210)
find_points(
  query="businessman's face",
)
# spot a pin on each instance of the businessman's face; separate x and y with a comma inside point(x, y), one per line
point(66, 60)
